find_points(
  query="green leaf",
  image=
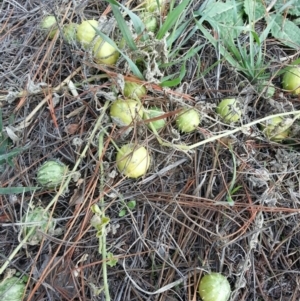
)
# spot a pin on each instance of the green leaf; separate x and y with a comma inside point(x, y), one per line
point(172, 18)
point(226, 18)
point(111, 260)
point(292, 7)
point(255, 9)
point(235, 189)
point(223, 12)
point(122, 212)
point(131, 204)
point(285, 31)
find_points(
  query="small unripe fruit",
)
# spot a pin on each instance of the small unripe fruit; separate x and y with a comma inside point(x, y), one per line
point(267, 89)
point(187, 120)
point(86, 32)
point(229, 110)
point(291, 80)
point(124, 112)
point(151, 5)
point(134, 90)
point(214, 287)
point(69, 32)
point(41, 221)
point(276, 129)
point(49, 25)
point(51, 174)
point(104, 53)
point(133, 161)
point(149, 20)
point(153, 112)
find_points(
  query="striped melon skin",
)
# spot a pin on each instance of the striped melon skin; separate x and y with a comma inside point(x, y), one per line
point(51, 174)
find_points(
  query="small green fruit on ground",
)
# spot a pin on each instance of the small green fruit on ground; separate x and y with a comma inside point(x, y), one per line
point(124, 112)
point(214, 287)
point(69, 31)
point(133, 161)
point(134, 90)
point(49, 25)
point(149, 20)
point(229, 110)
point(267, 89)
point(153, 112)
point(291, 80)
point(86, 32)
point(41, 221)
point(187, 120)
point(51, 174)
point(104, 53)
point(276, 129)
point(12, 289)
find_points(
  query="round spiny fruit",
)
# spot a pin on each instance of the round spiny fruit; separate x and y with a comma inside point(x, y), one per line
point(51, 174)
point(133, 161)
point(86, 32)
point(291, 80)
point(69, 31)
point(229, 110)
point(124, 112)
point(39, 220)
point(49, 25)
point(104, 53)
point(134, 90)
point(276, 129)
point(214, 287)
point(187, 120)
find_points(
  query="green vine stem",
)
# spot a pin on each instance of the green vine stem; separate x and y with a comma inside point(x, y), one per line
point(217, 137)
point(103, 236)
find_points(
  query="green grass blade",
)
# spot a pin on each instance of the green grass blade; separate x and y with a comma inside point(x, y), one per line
point(136, 21)
point(177, 80)
point(192, 52)
point(123, 27)
point(16, 190)
point(172, 18)
point(1, 124)
point(11, 154)
point(214, 42)
point(177, 33)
